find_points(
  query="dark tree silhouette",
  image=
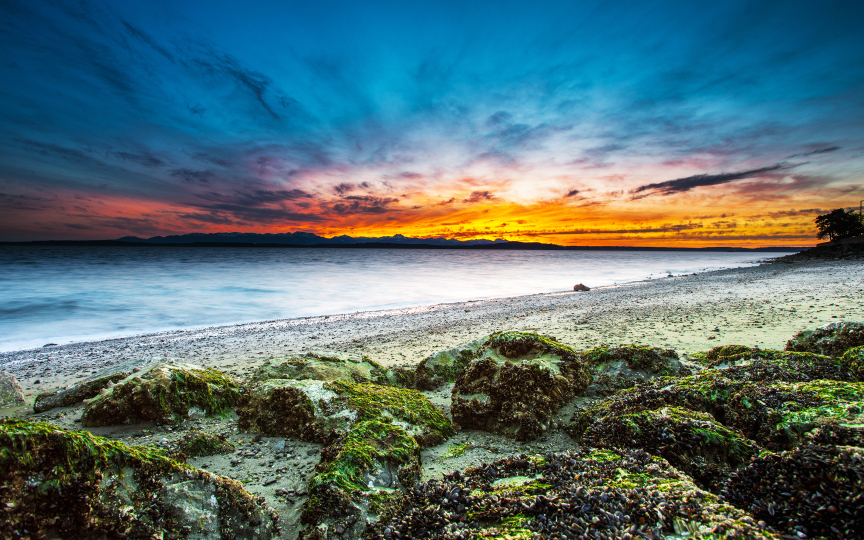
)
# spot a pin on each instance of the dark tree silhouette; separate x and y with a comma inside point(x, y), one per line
point(839, 224)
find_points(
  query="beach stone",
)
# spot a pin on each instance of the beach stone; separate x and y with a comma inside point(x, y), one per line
point(363, 478)
point(812, 490)
point(625, 366)
point(319, 367)
point(589, 493)
point(77, 485)
point(445, 366)
point(317, 411)
point(164, 394)
point(832, 339)
point(11, 394)
point(516, 384)
point(580, 287)
point(76, 393)
point(694, 442)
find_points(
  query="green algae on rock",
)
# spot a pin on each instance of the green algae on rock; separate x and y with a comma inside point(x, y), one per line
point(516, 383)
point(363, 477)
point(589, 493)
point(691, 441)
point(164, 394)
point(316, 410)
point(76, 393)
point(321, 367)
point(196, 443)
point(444, 366)
point(59, 483)
point(853, 360)
point(832, 339)
point(811, 492)
point(625, 366)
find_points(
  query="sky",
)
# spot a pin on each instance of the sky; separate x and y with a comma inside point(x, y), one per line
point(645, 123)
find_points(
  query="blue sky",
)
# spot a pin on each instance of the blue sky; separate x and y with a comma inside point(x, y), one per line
point(735, 122)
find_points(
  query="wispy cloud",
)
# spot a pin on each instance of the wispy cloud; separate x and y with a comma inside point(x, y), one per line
point(691, 182)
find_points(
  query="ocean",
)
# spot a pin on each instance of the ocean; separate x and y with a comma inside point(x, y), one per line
point(68, 294)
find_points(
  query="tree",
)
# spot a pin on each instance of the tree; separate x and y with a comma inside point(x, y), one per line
point(839, 224)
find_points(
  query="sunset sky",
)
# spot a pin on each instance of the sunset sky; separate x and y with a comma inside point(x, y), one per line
point(582, 123)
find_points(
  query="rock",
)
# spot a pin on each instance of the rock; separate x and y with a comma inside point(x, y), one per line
point(445, 366)
point(363, 478)
point(691, 441)
point(11, 394)
point(164, 394)
point(75, 394)
point(77, 485)
point(198, 443)
point(317, 411)
point(831, 340)
point(321, 367)
point(810, 489)
point(580, 287)
point(853, 360)
point(516, 383)
point(278, 446)
point(584, 494)
point(625, 366)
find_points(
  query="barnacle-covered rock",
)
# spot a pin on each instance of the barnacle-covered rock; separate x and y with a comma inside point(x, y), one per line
point(362, 478)
point(164, 394)
point(319, 367)
point(516, 383)
point(317, 410)
point(853, 360)
point(76, 393)
point(691, 441)
point(832, 339)
point(625, 366)
point(811, 492)
point(445, 366)
point(585, 494)
point(755, 364)
point(64, 484)
point(197, 443)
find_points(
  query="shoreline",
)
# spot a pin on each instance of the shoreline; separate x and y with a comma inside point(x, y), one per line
point(758, 305)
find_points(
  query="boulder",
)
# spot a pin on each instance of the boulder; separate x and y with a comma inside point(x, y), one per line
point(588, 493)
point(363, 478)
point(317, 411)
point(831, 340)
point(516, 383)
point(445, 366)
point(811, 492)
point(67, 484)
point(580, 287)
point(164, 394)
point(853, 360)
point(197, 443)
point(691, 441)
point(11, 394)
point(76, 393)
point(625, 366)
point(319, 367)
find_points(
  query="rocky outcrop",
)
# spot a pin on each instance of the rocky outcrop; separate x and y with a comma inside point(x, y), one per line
point(831, 340)
point(363, 478)
point(625, 366)
point(853, 360)
point(516, 383)
point(11, 394)
point(64, 484)
point(76, 393)
point(317, 410)
point(445, 366)
point(320, 367)
point(164, 394)
point(197, 443)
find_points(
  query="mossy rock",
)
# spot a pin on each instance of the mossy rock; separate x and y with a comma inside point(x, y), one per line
point(445, 366)
point(579, 494)
point(320, 367)
point(516, 384)
point(814, 491)
point(625, 366)
point(787, 366)
point(196, 443)
point(362, 478)
point(853, 360)
point(317, 411)
point(831, 340)
point(68, 484)
point(76, 393)
point(164, 394)
point(691, 441)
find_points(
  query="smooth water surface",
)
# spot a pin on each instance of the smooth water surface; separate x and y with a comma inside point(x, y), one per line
point(63, 294)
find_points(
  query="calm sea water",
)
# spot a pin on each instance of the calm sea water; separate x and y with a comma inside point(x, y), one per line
point(59, 294)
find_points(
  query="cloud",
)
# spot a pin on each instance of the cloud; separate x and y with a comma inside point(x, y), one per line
point(448, 202)
point(686, 184)
point(826, 150)
point(144, 159)
point(343, 188)
point(479, 196)
point(210, 159)
point(572, 193)
point(364, 205)
point(192, 176)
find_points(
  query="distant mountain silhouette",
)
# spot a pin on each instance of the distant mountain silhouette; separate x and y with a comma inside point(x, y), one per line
point(300, 239)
